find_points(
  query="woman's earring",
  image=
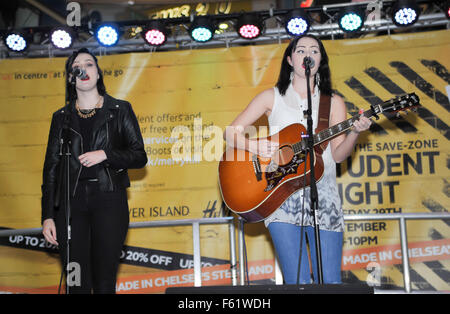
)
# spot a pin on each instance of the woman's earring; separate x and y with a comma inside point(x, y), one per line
point(291, 77)
point(317, 79)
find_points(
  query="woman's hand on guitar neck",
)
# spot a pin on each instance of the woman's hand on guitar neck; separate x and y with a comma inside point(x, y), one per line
point(362, 124)
point(263, 147)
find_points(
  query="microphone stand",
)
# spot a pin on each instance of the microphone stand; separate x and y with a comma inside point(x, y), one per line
point(64, 179)
point(67, 155)
point(313, 188)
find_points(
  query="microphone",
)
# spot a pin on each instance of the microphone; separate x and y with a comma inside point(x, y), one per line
point(81, 73)
point(308, 62)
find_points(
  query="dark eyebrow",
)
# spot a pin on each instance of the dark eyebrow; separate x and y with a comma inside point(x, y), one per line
point(85, 60)
point(305, 46)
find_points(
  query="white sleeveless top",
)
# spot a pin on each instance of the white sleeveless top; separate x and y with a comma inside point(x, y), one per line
point(287, 110)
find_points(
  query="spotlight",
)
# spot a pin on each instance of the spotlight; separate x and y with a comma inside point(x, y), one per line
point(202, 29)
point(296, 22)
point(405, 13)
point(249, 26)
point(61, 38)
point(222, 27)
point(15, 41)
point(351, 19)
point(107, 35)
point(155, 34)
point(447, 8)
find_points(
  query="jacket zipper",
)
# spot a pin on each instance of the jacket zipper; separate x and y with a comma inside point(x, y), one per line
point(107, 141)
point(79, 172)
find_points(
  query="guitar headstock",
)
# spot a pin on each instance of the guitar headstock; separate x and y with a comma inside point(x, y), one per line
point(399, 103)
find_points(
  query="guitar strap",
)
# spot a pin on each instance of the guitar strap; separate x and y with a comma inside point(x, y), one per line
point(324, 119)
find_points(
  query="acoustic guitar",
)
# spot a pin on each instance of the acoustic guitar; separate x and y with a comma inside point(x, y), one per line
point(254, 187)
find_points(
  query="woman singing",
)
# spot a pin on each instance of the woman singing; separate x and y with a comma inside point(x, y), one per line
point(104, 141)
point(284, 105)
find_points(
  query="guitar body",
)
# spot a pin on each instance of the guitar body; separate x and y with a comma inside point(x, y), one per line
point(255, 195)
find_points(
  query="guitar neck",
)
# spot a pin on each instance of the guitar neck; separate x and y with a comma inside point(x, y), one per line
point(399, 103)
point(328, 134)
point(339, 128)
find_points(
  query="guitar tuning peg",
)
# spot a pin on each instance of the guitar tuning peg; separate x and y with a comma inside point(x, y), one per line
point(397, 114)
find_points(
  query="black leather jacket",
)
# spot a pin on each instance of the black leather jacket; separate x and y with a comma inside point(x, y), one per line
point(116, 131)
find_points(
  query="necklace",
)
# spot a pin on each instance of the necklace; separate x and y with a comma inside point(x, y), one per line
point(88, 113)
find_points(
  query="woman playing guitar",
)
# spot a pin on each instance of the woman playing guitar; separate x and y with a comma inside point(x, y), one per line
point(284, 105)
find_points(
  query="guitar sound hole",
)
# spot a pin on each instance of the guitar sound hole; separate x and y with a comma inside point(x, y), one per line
point(284, 155)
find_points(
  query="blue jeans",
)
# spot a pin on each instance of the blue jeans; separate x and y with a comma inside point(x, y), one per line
point(286, 239)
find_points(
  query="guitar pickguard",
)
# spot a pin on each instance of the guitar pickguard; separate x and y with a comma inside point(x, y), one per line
point(275, 173)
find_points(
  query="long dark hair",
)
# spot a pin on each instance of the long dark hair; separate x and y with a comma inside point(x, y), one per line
point(71, 92)
point(284, 79)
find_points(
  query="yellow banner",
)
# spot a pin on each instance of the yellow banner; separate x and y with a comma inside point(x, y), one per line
point(400, 167)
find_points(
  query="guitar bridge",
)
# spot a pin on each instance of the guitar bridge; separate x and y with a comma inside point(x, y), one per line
point(257, 167)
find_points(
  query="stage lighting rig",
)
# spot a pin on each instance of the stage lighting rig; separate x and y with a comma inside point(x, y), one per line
point(155, 33)
point(249, 26)
point(447, 9)
point(107, 34)
point(61, 38)
point(351, 19)
point(297, 22)
point(405, 13)
point(202, 29)
point(15, 41)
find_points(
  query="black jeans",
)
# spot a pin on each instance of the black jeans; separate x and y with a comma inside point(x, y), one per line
point(98, 231)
